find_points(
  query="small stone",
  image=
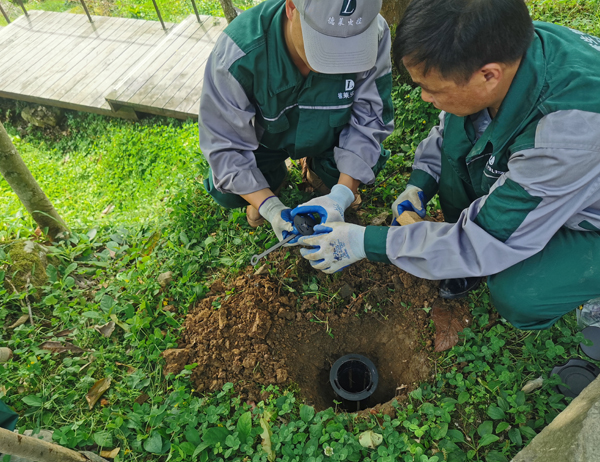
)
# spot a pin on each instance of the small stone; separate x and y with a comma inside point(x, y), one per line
point(380, 219)
point(165, 279)
point(262, 270)
point(346, 291)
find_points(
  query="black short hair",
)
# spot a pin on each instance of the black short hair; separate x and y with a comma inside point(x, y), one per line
point(458, 37)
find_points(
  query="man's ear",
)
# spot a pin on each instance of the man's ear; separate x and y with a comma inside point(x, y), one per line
point(289, 9)
point(491, 74)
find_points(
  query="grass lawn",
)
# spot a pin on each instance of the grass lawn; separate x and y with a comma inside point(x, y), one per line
point(132, 193)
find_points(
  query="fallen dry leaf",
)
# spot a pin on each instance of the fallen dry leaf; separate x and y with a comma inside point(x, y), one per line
point(104, 402)
point(62, 333)
point(369, 439)
point(447, 326)
point(130, 369)
point(19, 322)
point(60, 347)
point(142, 399)
point(97, 390)
point(110, 454)
point(107, 329)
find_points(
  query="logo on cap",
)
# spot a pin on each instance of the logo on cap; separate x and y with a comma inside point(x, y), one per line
point(348, 7)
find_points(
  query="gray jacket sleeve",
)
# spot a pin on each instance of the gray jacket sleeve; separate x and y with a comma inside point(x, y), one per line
point(559, 178)
point(226, 123)
point(428, 156)
point(360, 142)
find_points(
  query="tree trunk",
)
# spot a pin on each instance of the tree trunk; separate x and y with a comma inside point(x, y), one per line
point(230, 13)
point(393, 10)
point(19, 178)
point(33, 449)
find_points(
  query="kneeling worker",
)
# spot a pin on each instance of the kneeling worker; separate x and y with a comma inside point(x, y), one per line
point(515, 160)
point(297, 78)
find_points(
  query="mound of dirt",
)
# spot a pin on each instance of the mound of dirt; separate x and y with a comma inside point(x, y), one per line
point(262, 329)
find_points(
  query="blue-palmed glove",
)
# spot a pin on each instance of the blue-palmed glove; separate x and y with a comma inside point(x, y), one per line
point(273, 210)
point(330, 207)
point(334, 246)
point(412, 199)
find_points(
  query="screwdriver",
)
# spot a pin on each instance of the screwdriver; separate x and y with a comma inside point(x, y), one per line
point(303, 223)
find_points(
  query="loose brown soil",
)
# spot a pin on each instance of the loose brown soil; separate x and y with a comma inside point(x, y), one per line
point(274, 328)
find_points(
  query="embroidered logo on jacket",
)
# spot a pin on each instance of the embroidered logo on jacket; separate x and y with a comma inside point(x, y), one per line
point(592, 41)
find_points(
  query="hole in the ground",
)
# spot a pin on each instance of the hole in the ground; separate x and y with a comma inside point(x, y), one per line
point(391, 345)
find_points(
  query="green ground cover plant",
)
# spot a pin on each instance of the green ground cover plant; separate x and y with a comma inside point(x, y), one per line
point(163, 220)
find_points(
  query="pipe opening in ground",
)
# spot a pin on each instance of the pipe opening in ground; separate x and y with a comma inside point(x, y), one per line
point(354, 379)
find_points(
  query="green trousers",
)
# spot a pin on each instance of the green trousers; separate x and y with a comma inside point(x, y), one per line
point(8, 418)
point(272, 165)
point(537, 292)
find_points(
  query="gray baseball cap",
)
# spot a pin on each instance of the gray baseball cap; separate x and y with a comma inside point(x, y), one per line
point(340, 36)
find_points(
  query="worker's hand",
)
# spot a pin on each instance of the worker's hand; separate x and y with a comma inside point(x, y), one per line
point(330, 207)
point(334, 246)
point(412, 200)
point(273, 210)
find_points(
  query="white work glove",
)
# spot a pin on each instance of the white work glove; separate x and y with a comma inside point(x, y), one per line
point(330, 207)
point(273, 210)
point(335, 246)
point(412, 199)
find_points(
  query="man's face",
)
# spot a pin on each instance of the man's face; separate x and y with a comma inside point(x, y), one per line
point(459, 99)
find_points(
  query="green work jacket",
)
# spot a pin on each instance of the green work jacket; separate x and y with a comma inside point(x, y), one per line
point(508, 185)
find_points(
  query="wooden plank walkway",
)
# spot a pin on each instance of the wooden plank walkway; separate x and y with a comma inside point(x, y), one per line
point(114, 66)
point(169, 81)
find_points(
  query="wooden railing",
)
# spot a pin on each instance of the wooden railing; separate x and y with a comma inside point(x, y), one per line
point(85, 8)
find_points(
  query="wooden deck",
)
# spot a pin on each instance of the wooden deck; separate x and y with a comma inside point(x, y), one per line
point(169, 81)
point(63, 60)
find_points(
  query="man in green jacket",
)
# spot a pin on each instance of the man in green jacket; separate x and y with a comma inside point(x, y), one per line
point(297, 78)
point(515, 161)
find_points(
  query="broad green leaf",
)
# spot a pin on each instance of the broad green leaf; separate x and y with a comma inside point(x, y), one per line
point(193, 436)
point(70, 269)
point(307, 413)
point(92, 314)
point(107, 303)
point(103, 439)
point(527, 432)
point(52, 273)
point(488, 439)
point(463, 397)
point(520, 398)
point(437, 433)
point(244, 426)
point(456, 436)
point(486, 428)
point(32, 400)
point(417, 394)
point(50, 300)
point(502, 426)
point(199, 449)
point(154, 444)
point(215, 435)
point(496, 413)
point(515, 436)
point(495, 456)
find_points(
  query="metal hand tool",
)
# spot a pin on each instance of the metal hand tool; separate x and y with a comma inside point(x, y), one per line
point(303, 223)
